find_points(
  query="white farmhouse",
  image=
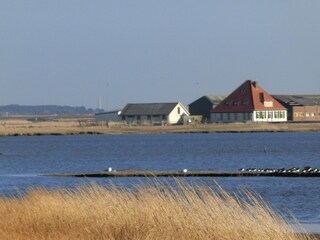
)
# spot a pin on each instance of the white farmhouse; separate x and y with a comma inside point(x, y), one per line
point(249, 102)
point(154, 113)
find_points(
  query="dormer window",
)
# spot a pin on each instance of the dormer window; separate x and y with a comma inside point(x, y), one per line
point(261, 96)
point(236, 103)
point(245, 103)
point(227, 103)
point(243, 90)
point(268, 103)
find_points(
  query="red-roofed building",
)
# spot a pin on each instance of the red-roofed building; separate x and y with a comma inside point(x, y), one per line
point(249, 102)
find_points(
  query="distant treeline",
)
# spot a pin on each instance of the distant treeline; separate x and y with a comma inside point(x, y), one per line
point(12, 110)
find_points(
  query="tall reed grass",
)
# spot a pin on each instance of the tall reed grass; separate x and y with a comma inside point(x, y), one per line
point(152, 211)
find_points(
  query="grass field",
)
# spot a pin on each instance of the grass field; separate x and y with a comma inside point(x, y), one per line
point(144, 212)
point(64, 126)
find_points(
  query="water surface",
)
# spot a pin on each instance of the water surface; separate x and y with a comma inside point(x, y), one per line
point(23, 160)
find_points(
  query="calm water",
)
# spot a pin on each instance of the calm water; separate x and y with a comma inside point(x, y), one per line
point(24, 159)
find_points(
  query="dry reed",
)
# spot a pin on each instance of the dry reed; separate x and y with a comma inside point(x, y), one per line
point(152, 211)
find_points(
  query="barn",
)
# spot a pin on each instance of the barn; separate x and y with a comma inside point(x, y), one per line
point(204, 105)
point(154, 113)
point(301, 107)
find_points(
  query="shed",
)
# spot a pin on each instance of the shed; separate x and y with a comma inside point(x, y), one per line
point(204, 105)
point(108, 116)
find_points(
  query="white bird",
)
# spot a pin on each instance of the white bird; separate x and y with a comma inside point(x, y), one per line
point(265, 149)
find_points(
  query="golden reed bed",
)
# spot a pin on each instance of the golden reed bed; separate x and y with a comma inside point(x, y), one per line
point(144, 212)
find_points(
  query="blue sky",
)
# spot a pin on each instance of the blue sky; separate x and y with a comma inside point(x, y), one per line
point(71, 52)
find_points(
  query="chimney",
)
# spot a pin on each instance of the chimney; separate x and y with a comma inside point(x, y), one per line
point(255, 84)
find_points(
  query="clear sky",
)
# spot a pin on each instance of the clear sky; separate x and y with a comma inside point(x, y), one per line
point(70, 52)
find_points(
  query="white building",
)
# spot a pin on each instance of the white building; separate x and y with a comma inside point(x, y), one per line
point(249, 102)
point(154, 113)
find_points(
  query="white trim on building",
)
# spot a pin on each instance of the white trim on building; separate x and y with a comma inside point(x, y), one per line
point(255, 116)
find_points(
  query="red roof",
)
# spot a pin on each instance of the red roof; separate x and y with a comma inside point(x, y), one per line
point(248, 97)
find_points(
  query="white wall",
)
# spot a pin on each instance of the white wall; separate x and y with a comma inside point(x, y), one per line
point(270, 116)
point(175, 117)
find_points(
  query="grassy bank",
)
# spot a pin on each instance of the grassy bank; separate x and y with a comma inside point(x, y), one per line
point(12, 127)
point(148, 212)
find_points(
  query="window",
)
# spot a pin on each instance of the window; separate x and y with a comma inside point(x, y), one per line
point(149, 117)
point(178, 110)
point(282, 114)
point(243, 90)
point(261, 96)
point(276, 114)
point(244, 116)
point(236, 116)
point(138, 117)
point(245, 103)
point(228, 116)
point(268, 103)
point(260, 115)
point(164, 117)
point(123, 117)
point(236, 103)
point(227, 103)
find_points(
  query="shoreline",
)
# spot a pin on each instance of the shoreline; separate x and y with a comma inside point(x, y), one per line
point(156, 174)
point(13, 127)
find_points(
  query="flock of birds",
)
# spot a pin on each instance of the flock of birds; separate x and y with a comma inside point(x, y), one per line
point(306, 169)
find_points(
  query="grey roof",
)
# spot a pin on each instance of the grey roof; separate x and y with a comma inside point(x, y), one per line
point(108, 112)
point(148, 108)
point(215, 99)
point(299, 100)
